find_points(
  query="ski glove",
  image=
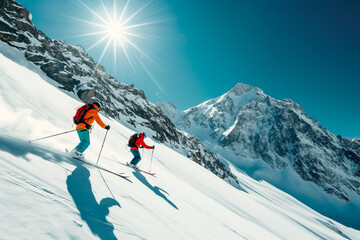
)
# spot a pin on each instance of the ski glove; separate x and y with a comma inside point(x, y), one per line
point(153, 147)
point(107, 127)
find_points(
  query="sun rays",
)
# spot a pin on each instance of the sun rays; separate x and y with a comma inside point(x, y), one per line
point(120, 30)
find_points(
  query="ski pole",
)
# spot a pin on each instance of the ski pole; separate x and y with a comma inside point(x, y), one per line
point(142, 155)
point(152, 154)
point(54, 135)
point(102, 147)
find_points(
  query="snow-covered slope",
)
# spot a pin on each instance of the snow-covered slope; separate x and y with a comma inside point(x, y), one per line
point(276, 141)
point(47, 195)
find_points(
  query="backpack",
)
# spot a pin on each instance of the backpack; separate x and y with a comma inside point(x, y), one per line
point(81, 112)
point(132, 140)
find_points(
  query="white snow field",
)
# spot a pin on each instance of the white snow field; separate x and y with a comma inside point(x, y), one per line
point(47, 195)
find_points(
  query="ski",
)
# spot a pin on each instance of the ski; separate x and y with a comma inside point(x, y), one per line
point(119, 174)
point(140, 170)
point(105, 169)
point(115, 173)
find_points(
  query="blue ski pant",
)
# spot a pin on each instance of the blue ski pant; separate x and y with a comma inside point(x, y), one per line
point(84, 136)
point(136, 158)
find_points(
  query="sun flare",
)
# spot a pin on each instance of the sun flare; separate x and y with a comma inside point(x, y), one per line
point(122, 30)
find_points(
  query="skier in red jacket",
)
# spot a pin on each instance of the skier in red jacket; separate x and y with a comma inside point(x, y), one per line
point(135, 149)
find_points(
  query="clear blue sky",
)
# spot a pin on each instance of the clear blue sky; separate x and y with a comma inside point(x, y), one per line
point(305, 50)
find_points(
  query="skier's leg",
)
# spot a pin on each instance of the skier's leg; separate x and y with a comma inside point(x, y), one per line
point(84, 137)
point(86, 140)
point(136, 158)
point(134, 154)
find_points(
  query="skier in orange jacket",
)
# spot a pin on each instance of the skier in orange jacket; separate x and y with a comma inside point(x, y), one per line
point(83, 130)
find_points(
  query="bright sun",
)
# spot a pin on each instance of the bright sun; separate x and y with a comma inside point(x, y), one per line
point(115, 28)
point(115, 31)
point(120, 28)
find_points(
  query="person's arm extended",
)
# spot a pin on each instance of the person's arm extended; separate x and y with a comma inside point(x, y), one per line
point(98, 120)
point(142, 143)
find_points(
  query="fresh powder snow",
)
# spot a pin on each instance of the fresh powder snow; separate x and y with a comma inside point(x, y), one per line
point(45, 194)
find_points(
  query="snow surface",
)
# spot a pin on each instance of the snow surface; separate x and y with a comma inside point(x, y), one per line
point(47, 195)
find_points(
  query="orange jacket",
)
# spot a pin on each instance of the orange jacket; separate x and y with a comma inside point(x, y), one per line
point(91, 116)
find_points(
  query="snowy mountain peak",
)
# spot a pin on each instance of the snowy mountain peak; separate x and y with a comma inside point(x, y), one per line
point(17, 8)
point(264, 136)
point(213, 117)
point(168, 105)
point(241, 88)
point(171, 111)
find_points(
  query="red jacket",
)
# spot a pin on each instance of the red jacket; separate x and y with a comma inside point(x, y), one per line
point(140, 142)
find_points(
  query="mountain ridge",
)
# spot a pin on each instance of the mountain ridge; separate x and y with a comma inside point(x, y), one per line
point(279, 135)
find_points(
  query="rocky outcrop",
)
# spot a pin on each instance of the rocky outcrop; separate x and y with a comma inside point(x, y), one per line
point(281, 134)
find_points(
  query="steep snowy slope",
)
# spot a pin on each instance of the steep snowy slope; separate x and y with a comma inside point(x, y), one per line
point(47, 195)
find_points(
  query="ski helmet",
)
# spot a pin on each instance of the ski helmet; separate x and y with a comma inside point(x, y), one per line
point(97, 104)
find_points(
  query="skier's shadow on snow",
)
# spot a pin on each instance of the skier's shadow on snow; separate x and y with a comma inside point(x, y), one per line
point(23, 149)
point(93, 213)
point(158, 191)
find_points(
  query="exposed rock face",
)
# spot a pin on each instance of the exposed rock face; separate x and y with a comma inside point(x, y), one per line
point(280, 133)
point(255, 126)
point(77, 73)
